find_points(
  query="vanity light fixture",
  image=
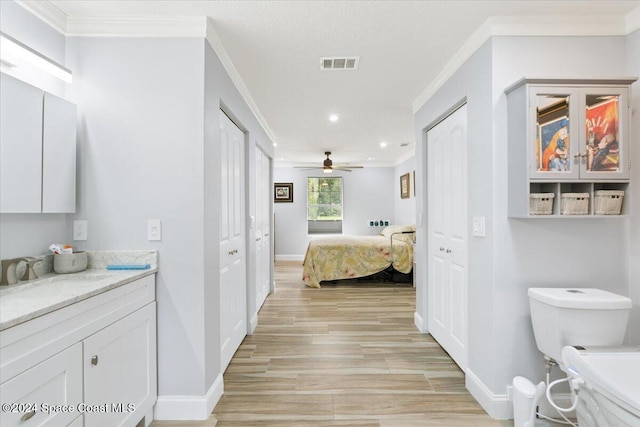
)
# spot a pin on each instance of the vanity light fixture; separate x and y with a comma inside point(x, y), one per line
point(15, 53)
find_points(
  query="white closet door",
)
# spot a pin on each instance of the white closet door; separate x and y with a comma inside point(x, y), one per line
point(447, 234)
point(267, 265)
point(233, 281)
point(263, 226)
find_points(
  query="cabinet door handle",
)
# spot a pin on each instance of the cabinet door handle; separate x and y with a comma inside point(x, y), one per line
point(258, 239)
point(28, 415)
point(448, 251)
point(266, 235)
point(441, 249)
point(94, 360)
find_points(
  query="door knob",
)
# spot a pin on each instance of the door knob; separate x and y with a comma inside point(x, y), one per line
point(94, 360)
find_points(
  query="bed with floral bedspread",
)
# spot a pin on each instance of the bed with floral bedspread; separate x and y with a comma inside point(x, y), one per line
point(347, 257)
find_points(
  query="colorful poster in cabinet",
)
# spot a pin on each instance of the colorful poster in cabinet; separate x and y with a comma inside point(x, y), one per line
point(553, 146)
point(603, 150)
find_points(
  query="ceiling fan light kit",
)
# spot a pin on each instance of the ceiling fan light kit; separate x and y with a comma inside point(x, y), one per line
point(328, 167)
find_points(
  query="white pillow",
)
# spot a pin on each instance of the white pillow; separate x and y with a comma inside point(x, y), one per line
point(388, 231)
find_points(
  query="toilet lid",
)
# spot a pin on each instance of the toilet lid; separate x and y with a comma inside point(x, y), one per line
point(616, 375)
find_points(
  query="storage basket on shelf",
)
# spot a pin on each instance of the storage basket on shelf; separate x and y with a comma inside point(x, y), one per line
point(541, 203)
point(608, 202)
point(575, 204)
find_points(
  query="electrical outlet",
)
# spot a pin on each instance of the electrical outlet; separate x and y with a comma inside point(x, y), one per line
point(80, 230)
point(154, 229)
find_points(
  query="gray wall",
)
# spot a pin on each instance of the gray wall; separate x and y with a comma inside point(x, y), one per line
point(31, 234)
point(141, 157)
point(470, 82)
point(516, 253)
point(404, 210)
point(367, 195)
point(633, 69)
point(591, 253)
point(219, 91)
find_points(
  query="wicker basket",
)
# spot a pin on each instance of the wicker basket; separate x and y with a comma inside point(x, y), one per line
point(608, 202)
point(575, 204)
point(541, 203)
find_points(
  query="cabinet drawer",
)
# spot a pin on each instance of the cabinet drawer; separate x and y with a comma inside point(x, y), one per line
point(56, 381)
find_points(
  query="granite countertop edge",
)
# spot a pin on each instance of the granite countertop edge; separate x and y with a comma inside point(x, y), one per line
point(29, 300)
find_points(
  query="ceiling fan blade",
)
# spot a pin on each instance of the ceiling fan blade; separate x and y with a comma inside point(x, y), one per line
point(347, 167)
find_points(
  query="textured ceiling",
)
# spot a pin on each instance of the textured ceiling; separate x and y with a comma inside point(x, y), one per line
point(403, 45)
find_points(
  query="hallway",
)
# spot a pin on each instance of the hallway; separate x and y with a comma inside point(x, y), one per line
point(343, 355)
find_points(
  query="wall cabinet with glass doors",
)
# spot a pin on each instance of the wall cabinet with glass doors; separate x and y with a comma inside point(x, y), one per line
point(568, 138)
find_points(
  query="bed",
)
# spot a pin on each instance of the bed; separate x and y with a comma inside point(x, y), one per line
point(349, 257)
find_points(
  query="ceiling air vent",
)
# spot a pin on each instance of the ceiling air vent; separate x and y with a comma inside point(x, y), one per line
point(339, 63)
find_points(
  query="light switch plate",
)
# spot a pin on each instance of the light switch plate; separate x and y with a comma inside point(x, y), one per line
point(478, 228)
point(80, 230)
point(154, 229)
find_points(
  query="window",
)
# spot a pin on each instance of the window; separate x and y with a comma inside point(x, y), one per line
point(324, 205)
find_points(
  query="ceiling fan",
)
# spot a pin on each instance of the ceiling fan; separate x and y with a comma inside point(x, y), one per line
point(328, 166)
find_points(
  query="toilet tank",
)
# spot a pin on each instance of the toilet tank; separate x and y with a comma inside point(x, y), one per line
point(579, 317)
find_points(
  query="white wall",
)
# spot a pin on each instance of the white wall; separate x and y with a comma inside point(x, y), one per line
point(140, 157)
point(367, 194)
point(31, 234)
point(633, 69)
point(592, 252)
point(149, 148)
point(404, 210)
point(516, 254)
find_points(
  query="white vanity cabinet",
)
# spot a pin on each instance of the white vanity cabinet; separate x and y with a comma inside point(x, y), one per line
point(37, 150)
point(96, 356)
point(567, 136)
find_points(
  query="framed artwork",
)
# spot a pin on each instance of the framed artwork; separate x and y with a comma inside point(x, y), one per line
point(283, 192)
point(603, 152)
point(404, 186)
point(553, 138)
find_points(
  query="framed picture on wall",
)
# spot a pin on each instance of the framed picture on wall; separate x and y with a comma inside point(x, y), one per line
point(405, 186)
point(283, 192)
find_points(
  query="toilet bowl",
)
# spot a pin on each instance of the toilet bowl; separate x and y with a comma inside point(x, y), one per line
point(607, 384)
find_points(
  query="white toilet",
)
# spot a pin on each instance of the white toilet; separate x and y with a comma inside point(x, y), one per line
point(592, 322)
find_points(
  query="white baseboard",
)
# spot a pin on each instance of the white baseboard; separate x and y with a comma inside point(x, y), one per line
point(189, 407)
point(419, 322)
point(290, 258)
point(497, 406)
point(253, 324)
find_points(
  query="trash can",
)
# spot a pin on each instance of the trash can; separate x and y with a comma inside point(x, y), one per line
point(525, 398)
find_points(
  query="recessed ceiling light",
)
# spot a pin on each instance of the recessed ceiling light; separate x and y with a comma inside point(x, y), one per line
point(275, 145)
point(371, 158)
point(333, 118)
point(383, 144)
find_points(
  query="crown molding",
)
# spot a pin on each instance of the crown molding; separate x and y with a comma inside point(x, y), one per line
point(46, 11)
point(147, 26)
point(215, 42)
point(541, 26)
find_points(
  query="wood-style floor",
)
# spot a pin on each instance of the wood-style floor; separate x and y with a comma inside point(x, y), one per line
point(344, 355)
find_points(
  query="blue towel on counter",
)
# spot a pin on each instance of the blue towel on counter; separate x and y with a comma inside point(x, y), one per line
point(129, 267)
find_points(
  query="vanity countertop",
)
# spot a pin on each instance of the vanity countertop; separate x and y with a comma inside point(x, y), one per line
point(28, 300)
